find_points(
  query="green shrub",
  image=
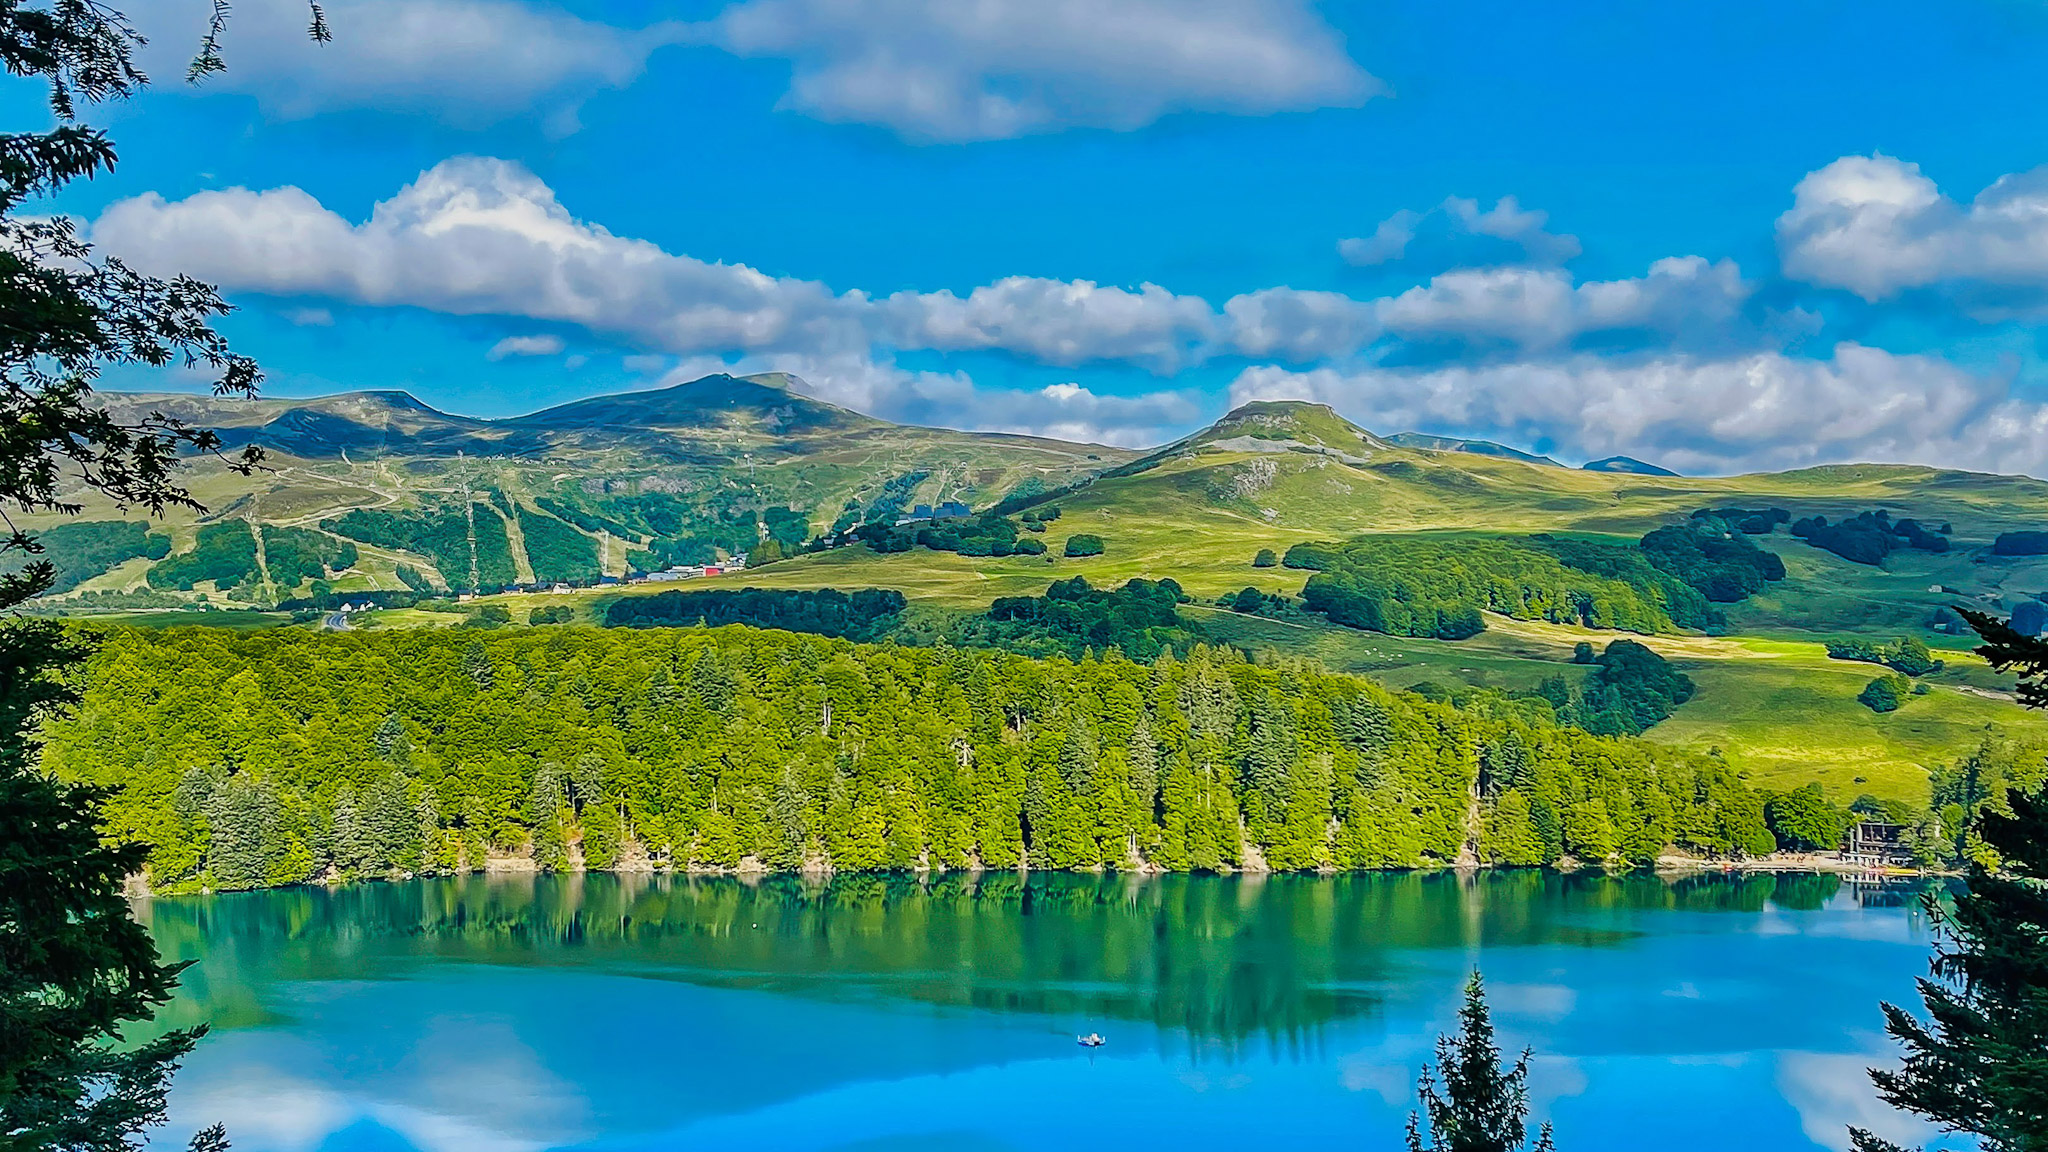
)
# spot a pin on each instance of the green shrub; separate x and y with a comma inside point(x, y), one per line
point(1084, 545)
point(1885, 693)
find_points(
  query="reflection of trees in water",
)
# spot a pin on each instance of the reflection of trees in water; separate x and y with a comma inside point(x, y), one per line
point(1218, 959)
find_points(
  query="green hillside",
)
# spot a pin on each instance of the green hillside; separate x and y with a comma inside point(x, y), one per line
point(599, 487)
point(420, 503)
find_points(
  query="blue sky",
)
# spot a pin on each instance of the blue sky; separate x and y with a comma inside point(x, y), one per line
point(1718, 236)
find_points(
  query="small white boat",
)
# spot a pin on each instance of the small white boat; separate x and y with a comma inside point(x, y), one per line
point(1091, 1040)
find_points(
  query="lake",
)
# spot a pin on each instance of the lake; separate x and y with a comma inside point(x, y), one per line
point(512, 1014)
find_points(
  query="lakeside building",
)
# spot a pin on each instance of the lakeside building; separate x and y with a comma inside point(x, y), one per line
point(1876, 844)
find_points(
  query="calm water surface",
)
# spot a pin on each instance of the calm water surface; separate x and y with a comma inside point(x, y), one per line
point(519, 1014)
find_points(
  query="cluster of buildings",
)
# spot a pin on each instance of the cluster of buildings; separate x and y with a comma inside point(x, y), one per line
point(947, 510)
point(735, 563)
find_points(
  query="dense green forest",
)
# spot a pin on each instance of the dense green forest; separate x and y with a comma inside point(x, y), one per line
point(296, 555)
point(443, 535)
point(1439, 587)
point(224, 553)
point(1424, 587)
point(79, 550)
point(556, 551)
point(864, 614)
point(244, 759)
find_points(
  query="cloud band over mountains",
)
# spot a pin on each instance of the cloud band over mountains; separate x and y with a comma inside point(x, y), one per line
point(1690, 362)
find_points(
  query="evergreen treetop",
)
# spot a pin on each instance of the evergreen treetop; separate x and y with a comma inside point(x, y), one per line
point(1470, 1102)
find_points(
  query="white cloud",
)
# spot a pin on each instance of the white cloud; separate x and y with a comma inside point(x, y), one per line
point(470, 62)
point(1762, 411)
point(937, 70)
point(1832, 1091)
point(1452, 225)
point(1299, 326)
point(478, 236)
point(1056, 321)
point(1877, 227)
point(310, 317)
point(525, 346)
point(1679, 297)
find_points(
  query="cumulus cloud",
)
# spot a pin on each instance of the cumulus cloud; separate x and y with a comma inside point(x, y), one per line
point(1056, 321)
point(1457, 232)
point(932, 70)
point(1878, 227)
point(1681, 302)
point(1299, 326)
point(479, 236)
point(469, 62)
point(476, 236)
point(1682, 298)
point(1762, 411)
point(525, 346)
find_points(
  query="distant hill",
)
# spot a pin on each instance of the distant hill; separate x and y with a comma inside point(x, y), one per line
point(602, 486)
point(748, 404)
point(413, 497)
point(1476, 447)
point(1281, 426)
point(1628, 464)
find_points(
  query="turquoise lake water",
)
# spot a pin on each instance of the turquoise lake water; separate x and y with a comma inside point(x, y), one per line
point(518, 1014)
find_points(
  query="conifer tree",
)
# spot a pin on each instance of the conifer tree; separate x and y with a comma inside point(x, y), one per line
point(1470, 1103)
point(1979, 1063)
point(74, 967)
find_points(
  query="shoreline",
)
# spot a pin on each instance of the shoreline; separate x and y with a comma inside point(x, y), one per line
point(1666, 867)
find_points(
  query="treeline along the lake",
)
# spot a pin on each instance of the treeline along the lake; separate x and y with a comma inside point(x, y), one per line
point(248, 759)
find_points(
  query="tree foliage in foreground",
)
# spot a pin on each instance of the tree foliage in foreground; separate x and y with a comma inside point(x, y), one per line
point(1470, 1103)
point(1979, 1062)
point(74, 967)
point(271, 757)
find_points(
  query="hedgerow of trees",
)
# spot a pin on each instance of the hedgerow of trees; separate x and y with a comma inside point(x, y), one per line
point(1868, 537)
point(864, 614)
point(273, 757)
point(1908, 655)
point(1141, 619)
